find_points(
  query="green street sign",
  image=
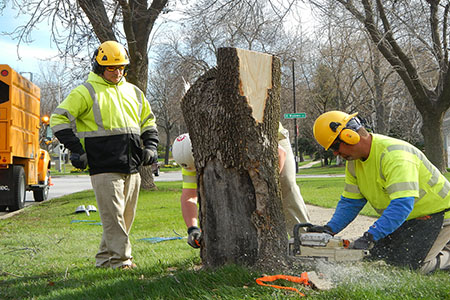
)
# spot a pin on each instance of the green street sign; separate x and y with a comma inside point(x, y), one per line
point(295, 116)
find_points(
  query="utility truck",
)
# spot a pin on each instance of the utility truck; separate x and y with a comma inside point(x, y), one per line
point(24, 166)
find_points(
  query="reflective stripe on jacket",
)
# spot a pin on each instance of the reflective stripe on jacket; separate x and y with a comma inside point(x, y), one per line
point(109, 120)
point(396, 169)
point(189, 179)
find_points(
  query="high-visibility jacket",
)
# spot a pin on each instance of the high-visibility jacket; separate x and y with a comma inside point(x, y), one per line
point(106, 121)
point(396, 169)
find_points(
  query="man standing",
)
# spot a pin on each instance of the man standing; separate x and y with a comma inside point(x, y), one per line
point(293, 205)
point(104, 122)
point(410, 194)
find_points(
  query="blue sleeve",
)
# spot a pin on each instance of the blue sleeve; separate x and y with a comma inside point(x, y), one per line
point(393, 216)
point(346, 211)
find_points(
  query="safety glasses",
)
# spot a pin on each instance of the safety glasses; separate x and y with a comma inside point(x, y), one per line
point(113, 68)
point(336, 144)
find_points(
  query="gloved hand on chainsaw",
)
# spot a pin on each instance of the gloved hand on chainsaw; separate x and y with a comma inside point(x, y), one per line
point(320, 229)
point(365, 242)
point(195, 236)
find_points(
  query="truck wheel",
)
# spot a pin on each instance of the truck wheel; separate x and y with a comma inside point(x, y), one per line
point(40, 195)
point(19, 192)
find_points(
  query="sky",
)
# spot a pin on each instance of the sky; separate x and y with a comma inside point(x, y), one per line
point(31, 55)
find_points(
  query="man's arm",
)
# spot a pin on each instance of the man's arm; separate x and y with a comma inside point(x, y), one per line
point(346, 211)
point(189, 207)
point(281, 157)
point(392, 218)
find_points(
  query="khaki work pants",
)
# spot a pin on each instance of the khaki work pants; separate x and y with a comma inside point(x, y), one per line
point(439, 252)
point(294, 207)
point(117, 196)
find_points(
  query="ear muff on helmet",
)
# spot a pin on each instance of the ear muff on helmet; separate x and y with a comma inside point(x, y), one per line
point(349, 136)
point(348, 133)
point(96, 68)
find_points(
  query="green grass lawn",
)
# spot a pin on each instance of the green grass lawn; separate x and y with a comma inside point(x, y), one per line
point(46, 254)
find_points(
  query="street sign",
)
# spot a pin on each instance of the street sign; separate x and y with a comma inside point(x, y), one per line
point(295, 116)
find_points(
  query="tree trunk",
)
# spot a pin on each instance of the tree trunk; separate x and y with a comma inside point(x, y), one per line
point(168, 144)
point(232, 115)
point(434, 140)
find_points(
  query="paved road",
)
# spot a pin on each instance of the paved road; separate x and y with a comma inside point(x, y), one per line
point(65, 185)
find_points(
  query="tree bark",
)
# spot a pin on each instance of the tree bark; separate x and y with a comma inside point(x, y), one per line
point(433, 138)
point(232, 115)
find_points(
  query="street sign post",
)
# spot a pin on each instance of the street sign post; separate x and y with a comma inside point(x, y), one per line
point(295, 116)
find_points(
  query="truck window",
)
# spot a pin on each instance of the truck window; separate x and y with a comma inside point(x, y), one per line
point(4, 92)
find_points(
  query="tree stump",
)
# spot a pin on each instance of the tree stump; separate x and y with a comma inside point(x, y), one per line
point(232, 114)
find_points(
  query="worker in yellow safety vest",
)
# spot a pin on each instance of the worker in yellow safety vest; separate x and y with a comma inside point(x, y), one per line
point(293, 205)
point(108, 126)
point(400, 183)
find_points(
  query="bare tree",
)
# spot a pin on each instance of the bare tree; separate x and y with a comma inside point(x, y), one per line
point(396, 27)
point(77, 26)
point(53, 85)
point(166, 87)
point(252, 25)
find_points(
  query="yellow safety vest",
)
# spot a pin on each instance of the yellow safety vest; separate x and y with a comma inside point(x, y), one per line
point(396, 169)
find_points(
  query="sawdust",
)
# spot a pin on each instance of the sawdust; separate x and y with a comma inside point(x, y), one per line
point(320, 216)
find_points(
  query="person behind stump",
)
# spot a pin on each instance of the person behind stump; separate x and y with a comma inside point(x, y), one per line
point(294, 207)
point(108, 125)
point(400, 183)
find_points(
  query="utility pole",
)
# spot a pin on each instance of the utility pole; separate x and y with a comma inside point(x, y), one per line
point(295, 120)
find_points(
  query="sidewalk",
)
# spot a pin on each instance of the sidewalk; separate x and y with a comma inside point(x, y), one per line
point(309, 165)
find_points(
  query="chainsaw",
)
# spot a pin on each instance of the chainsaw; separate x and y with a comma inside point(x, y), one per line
point(322, 246)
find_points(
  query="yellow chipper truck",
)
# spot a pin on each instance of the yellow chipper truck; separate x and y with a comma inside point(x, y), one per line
point(24, 166)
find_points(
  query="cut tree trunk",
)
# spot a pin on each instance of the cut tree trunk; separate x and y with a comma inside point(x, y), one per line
point(232, 114)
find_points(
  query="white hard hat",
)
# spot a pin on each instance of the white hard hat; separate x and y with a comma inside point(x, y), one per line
point(182, 151)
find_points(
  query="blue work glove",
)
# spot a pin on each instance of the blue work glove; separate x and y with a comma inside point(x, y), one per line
point(79, 161)
point(149, 156)
point(320, 229)
point(195, 236)
point(365, 242)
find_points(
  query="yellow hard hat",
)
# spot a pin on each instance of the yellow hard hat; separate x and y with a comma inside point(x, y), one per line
point(328, 126)
point(111, 53)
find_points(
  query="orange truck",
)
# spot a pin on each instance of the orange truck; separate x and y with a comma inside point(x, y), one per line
point(24, 166)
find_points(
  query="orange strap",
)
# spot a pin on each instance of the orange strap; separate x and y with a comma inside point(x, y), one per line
point(302, 279)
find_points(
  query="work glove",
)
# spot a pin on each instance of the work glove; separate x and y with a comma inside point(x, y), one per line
point(321, 229)
point(195, 236)
point(149, 156)
point(365, 242)
point(79, 161)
